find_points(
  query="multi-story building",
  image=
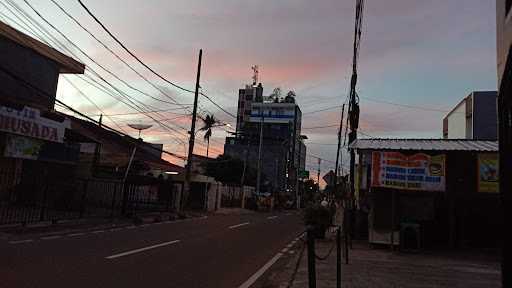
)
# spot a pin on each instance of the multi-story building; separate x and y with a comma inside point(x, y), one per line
point(475, 117)
point(504, 53)
point(283, 150)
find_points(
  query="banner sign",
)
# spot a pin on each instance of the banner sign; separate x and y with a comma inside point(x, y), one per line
point(28, 122)
point(414, 172)
point(488, 176)
point(22, 147)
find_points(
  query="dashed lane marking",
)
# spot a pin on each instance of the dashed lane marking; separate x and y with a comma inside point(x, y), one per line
point(76, 234)
point(141, 249)
point(21, 241)
point(51, 237)
point(98, 231)
point(271, 217)
point(239, 225)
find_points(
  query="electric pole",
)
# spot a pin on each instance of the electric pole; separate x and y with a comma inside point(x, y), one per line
point(318, 173)
point(353, 115)
point(353, 108)
point(186, 186)
point(258, 175)
point(339, 158)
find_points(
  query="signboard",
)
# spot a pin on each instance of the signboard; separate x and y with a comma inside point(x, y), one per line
point(304, 174)
point(414, 172)
point(488, 173)
point(22, 147)
point(28, 122)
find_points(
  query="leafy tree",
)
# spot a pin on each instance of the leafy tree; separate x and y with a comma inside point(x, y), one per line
point(229, 170)
point(290, 97)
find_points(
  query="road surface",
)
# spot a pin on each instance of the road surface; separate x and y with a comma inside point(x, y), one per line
point(215, 251)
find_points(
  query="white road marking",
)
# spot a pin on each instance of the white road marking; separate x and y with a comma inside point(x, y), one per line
point(98, 231)
point(290, 245)
point(21, 241)
point(141, 249)
point(144, 225)
point(76, 234)
point(115, 229)
point(260, 272)
point(130, 227)
point(239, 225)
point(291, 252)
point(271, 217)
point(50, 237)
point(284, 250)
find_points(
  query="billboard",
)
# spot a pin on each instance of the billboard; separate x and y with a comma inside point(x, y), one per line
point(28, 122)
point(411, 172)
point(488, 173)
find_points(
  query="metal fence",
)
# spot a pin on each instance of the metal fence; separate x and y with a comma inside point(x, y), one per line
point(58, 199)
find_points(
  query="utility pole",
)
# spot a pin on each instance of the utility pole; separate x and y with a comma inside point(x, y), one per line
point(186, 186)
point(318, 172)
point(353, 108)
point(297, 176)
point(353, 113)
point(339, 158)
point(258, 175)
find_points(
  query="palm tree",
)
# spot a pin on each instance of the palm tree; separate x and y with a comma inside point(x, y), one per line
point(208, 123)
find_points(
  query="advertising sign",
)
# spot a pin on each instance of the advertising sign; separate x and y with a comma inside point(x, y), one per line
point(28, 122)
point(488, 173)
point(412, 172)
point(22, 147)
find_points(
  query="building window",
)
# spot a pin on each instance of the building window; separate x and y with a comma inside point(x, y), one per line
point(248, 97)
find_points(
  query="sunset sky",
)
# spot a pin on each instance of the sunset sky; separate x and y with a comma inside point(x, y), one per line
point(423, 55)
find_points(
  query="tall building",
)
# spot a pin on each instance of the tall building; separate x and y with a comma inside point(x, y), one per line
point(475, 117)
point(504, 53)
point(283, 153)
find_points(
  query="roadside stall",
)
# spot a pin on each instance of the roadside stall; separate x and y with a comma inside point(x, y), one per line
point(431, 192)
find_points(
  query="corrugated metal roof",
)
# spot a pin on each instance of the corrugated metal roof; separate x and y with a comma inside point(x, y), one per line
point(426, 144)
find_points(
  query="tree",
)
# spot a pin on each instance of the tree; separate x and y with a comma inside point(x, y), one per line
point(290, 97)
point(276, 94)
point(228, 170)
point(208, 123)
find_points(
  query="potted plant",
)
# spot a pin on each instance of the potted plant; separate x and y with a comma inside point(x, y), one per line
point(319, 218)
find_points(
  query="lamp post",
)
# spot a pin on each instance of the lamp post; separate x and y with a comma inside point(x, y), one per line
point(297, 169)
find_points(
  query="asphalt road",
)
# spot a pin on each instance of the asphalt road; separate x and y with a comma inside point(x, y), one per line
point(218, 251)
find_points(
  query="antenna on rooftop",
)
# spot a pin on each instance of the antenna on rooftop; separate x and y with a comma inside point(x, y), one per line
point(140, 127)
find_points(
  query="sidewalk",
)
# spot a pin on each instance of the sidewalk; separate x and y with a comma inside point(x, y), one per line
point(382, 268)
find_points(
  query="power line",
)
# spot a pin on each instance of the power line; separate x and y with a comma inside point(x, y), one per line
point(112, 52)
point(323, 109)
point(30, 85)
point(144, 64)
point(93, 103)
point(319, 127)
point(138, 113)
point(127, 97)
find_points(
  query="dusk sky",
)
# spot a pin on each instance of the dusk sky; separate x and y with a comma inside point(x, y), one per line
point(426, 55)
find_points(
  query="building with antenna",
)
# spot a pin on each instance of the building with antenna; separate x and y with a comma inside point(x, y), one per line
point(277, 121)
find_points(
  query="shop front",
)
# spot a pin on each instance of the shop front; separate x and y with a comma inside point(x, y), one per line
point(33, 158)
point(429, 193)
